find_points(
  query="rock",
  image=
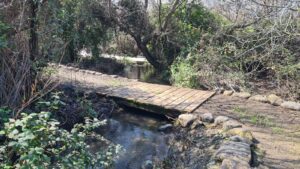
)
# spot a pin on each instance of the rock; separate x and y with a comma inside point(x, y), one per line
point(196, 124)
point(91, 95)
point(291, 105)
point(259, 98)
point(166, 127)
point(69, 68)
point(193, 132)
point(147, 165)
point(228, 92)
point(207, 117)
point(274, 100)
point(244, 133)
point(221, 119)
point(213, 165)
point(240, 139)
point(234, 150)
point(114, 76)
point(244, 95)
point(186, 119)
point(219, 90)
point(234, 164)
point(230, 124)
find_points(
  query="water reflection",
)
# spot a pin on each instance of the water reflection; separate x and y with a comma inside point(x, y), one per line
point(139, 137)
point(137, 71)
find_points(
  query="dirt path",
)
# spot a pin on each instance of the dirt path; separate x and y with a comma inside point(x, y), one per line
point(276, 129)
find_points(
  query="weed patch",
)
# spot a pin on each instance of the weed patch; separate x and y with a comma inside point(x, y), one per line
point(256, 119)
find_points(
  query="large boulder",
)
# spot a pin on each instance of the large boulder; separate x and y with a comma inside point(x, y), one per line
point(274, 100)
point(240, 139)
point(291, 105)
point(244, 95)
point(259, 98)
point(234, 164)
point(234, 150)
point(186, 119)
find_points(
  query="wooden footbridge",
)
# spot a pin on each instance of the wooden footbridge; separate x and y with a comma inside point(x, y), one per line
point(157, 98)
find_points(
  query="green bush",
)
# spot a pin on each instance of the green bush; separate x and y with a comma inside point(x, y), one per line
point(36, 141)
point(5, 114)
point(211, 69)
point(183, 74)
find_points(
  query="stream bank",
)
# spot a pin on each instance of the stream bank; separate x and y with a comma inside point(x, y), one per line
point(152, 141)
point(147, 140)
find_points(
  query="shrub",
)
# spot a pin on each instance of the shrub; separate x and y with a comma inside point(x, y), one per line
point(211, 69)
point(36, 141)
point(183, 74)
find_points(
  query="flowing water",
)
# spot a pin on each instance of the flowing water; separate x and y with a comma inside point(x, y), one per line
point(137, 134)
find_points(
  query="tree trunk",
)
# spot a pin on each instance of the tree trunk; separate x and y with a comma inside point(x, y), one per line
point(146, 4)
point(33, 40)
point(71, 52)
point(143, 48)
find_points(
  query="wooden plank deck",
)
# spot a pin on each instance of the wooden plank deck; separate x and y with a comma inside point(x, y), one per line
point(159, 97)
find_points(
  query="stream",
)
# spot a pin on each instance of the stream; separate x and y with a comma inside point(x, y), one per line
point(137, 133)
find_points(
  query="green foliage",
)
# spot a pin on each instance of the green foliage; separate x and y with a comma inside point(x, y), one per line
point(58, 102)
point(3, 37)
point(53, 103)
point(5, 114)
point(36, 141)
point(74, 27)
point(192, 21)
point(216, 67)
point(197, 16)
point(184, 74)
